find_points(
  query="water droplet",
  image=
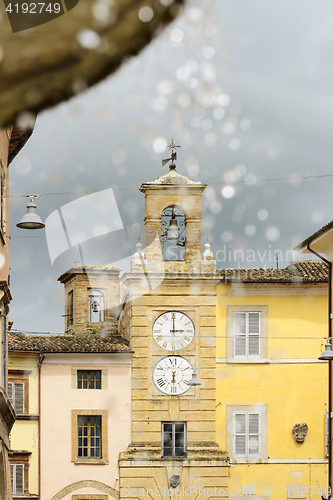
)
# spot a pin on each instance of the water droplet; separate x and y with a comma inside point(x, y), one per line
point(262, 214)
point(183, 72)
point(209, 52)
point(223, 100)
point(228, 191)
point(245, 124)
point(234, 144)
point(177, 36)
point(160, 145)
point(146, 14)
point(250, 230)
point(88, 39)
point(226, 236)
point(317, 217)
point(184, 100)
point(215, 207)
point(219, 113)
point(160, 103)
point(272, 233)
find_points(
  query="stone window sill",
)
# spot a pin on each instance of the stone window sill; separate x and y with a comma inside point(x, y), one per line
point(91, 461)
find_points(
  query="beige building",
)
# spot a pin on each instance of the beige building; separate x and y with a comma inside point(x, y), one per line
point(12, 139)
point(81, 402)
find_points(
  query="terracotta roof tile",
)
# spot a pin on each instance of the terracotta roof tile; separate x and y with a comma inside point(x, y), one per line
point(67, 343)
point(297, 271)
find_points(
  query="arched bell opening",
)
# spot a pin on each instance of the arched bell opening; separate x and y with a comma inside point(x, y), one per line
point(96, 306)
point(173, 224)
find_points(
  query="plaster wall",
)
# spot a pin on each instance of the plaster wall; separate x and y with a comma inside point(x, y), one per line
point(59, 398)
point(288, 381)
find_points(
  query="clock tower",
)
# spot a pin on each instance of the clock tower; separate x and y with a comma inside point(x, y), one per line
point(170, 315)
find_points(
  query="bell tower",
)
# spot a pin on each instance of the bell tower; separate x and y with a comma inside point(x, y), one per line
point(172, 326)
point(91, 299)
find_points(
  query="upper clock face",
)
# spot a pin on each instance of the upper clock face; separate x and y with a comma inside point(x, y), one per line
point(171, 375)
point(173, 330)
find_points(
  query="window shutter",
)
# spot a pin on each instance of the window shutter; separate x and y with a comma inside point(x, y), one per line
point(254, 333)
point(10, 392)
point(240, 334)
point(17, 477)
point(19, 397)
point(327, 434)
point(254, 433)
point(240, 434)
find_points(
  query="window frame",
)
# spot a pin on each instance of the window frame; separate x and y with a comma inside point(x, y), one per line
point(261, 410)
point(2, 201)
point(93, 436)
point(70, 308)
point(247, 334)
point(263, 337)
point(173, 455)
point(89, 380)
point(246, 434)
point(103, 459)
point(20, 377)
point(21, 458)
point(13, 476)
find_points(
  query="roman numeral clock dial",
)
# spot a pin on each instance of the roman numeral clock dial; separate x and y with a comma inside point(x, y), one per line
point(173, 330)
point(172, 374)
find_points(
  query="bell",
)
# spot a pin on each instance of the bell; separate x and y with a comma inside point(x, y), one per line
point(194, 381)
point(95, 305)
point(327, 355)
point(173, 229)
point(31, 220)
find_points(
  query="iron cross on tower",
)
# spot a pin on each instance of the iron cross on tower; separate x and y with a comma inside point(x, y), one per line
point(173, 157)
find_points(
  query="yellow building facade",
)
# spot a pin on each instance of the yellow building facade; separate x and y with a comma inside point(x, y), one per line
point(23, 389)
point(271, 389)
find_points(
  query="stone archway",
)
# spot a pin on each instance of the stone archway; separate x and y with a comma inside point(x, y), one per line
point(3, 478)
point(89, 483)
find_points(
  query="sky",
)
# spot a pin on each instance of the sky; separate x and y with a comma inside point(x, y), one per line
point(244, 88)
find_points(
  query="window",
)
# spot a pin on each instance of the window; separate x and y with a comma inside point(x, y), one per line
point(17, 477)
point(70, 308)
point(16, 396)
point(3, 347)
point(247, 331)
point(2, 199)
point(173, 439)
point(18, 390)
point(89, 379)
point(90, 436)
point(173, 239)
point(96, 307)
point(247, 432)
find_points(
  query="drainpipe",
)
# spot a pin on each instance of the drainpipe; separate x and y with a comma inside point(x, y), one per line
point(330, 318)
point(39, 365)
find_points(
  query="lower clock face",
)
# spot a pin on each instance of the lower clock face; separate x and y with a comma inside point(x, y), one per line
point(172, 374)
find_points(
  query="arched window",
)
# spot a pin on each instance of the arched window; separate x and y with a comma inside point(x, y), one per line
point(173, 233)
point(96, 306)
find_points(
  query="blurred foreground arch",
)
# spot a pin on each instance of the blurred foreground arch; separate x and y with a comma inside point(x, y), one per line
point(43, 65)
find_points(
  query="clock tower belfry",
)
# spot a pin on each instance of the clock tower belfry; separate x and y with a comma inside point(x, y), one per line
point(172, 327)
